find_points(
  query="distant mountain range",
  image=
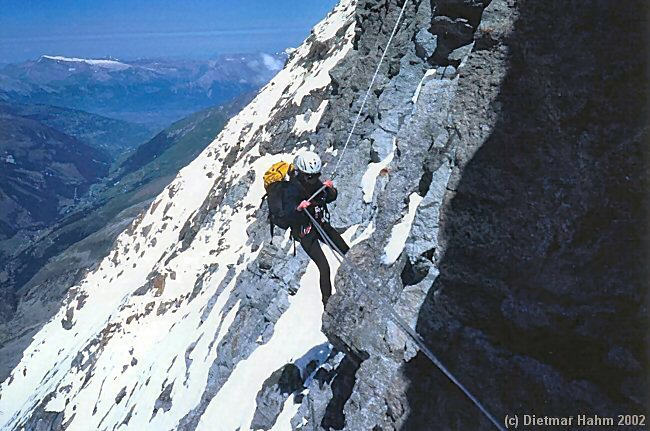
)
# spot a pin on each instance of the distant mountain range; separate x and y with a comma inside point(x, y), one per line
point(152, 92)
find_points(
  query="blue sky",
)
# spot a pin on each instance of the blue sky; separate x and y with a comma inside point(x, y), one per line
point(128, 29)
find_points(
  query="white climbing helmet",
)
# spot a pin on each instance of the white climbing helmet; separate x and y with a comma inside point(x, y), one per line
point(307, 162)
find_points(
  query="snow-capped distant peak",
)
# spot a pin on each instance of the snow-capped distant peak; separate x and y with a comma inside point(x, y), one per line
point(107, 64)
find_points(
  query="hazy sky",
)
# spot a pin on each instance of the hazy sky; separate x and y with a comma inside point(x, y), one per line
point(128, 29)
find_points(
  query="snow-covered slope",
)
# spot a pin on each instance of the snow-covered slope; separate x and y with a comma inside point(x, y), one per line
point(135, 344)
point(468, 196)
point(190, 323)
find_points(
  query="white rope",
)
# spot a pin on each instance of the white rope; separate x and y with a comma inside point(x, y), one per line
point(417, 338)
point(343, 260)
point(365, 99)
point(372, 82)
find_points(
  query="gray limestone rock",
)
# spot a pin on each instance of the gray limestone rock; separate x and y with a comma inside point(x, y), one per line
point(382, 145)
point(425, 227)
point(164, 400)
point(460, 54)
point(501, 273)
point(275, 390)
point(497, 22)
point(425, 44)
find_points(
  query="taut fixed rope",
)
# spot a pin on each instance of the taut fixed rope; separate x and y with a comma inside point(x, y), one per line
point(402, 324)
point(372, 82)
point(399, 321)
point(365, 97)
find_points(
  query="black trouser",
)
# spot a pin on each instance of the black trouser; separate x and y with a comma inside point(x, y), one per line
point(310, 244)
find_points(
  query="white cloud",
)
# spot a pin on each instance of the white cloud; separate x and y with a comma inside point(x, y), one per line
point(272, 63)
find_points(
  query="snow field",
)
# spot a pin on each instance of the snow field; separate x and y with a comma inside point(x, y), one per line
point(135, 350)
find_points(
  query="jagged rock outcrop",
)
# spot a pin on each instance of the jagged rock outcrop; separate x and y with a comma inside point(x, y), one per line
point(537, 230)
point(482, 197)
point(274, 392)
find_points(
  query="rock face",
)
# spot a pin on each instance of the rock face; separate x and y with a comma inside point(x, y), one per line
point(493, 196)
point(542, 275)
point(537, 228)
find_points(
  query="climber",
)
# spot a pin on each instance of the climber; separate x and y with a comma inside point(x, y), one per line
point(305, 177)
point(288, 199)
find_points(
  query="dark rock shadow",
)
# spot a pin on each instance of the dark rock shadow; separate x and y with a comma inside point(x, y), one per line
point(541, 305)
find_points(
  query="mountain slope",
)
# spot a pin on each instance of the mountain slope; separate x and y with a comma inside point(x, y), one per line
point(43, 171)
point(36, 276)
point(191, 134)
point(470, 211)
point(106, 134)
point(50, 157)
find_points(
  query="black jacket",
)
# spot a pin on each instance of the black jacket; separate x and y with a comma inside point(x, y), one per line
point(300, 191)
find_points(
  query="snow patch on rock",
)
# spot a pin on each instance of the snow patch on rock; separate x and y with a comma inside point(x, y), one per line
point(426, 77)
point(369, 178)
point(309, 121)
point(400, 232)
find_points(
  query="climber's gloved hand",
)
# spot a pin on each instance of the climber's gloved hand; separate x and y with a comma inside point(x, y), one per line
point(303, 205)
point(328, 183)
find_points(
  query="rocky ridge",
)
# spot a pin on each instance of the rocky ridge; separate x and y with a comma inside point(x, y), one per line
point(466, 213)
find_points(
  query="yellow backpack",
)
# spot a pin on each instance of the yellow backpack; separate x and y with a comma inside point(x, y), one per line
point(275, 176)
point(277, 172)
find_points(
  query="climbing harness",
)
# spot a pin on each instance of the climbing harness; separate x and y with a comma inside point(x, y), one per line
point(402, 324)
